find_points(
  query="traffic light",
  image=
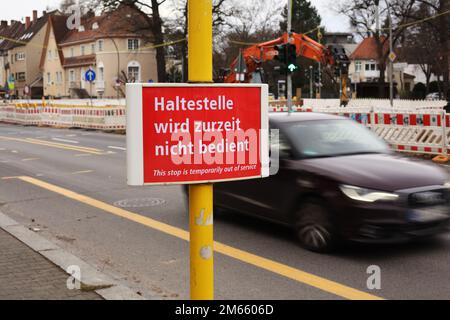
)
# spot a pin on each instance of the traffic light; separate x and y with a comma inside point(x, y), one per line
point(316, 76)
point(292, 65)
point(282, 53)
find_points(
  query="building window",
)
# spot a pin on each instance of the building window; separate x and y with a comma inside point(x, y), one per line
point(21, 76)
point(357, 66)
point(58, 77)
point(83, 48)
point(100, 45)
point(133, 44)
point(20, 56)
point(133, 74)
point(56, 54)
point(371, 66)
point(49, 78)
point(72, 52)
point(72, 75)
point(93, 48)
point(101, 73)
point(49, 54)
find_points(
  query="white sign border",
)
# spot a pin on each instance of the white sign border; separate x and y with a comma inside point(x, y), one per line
point(135, 143)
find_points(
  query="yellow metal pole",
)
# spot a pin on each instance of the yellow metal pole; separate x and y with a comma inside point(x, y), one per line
point(201, 196)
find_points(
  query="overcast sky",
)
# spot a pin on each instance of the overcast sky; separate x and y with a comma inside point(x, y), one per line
point(21, 8)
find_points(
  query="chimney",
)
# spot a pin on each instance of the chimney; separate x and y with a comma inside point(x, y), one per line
point(35, 16)
point(44, 13)
point(4, 23)
point(27, 22)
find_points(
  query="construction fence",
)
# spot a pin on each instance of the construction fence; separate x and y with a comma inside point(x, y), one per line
point(410, 126)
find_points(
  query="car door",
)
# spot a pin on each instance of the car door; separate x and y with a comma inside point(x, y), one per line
point(263, 197)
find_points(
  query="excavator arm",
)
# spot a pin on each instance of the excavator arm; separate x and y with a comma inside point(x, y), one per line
point(255, 55)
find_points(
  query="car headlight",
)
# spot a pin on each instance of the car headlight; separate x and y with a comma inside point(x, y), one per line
point(367, 195)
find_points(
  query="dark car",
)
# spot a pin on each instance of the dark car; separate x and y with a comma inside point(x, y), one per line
point(337, 180)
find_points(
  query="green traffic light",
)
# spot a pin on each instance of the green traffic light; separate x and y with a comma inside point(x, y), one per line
point(292, 67)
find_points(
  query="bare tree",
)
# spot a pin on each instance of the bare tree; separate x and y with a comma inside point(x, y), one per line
point(433, 13)
point(370, 18)
point(85, 5)
point(177, 27)
point(150, 11)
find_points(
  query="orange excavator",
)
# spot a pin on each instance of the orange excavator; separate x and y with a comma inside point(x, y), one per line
point(254, 56)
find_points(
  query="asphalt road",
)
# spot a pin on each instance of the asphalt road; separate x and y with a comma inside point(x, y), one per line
point(269, 265)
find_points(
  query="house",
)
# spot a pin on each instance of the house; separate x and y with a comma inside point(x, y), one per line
point(344, 39)
point(25, 53)
point(116, 45)
point(365, 73)
point(8, 33)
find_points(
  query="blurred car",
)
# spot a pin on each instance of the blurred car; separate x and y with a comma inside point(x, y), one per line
point(339, 181)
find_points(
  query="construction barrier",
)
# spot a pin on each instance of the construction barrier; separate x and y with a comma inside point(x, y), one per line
point(61, 115)
point(420, 127)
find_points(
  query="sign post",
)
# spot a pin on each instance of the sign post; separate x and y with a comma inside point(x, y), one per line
point(197, 134)
point(200, 69)
point(90, 76)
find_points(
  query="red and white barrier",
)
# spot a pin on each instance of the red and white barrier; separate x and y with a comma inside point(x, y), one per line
point(424, 130)
point(107, 118)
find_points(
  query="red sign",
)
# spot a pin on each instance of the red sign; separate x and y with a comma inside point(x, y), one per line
point(180, 134)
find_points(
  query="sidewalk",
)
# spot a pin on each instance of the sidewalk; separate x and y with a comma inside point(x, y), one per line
point(27, 275)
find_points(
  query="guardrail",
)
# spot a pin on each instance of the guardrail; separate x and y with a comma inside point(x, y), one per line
point(425, 130)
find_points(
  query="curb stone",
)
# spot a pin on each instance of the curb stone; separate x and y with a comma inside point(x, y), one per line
point(91, 279)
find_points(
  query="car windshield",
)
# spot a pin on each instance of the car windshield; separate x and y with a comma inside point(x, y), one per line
point(330, 138)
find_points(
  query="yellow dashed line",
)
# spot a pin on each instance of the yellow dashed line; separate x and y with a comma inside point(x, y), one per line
point(56, 145)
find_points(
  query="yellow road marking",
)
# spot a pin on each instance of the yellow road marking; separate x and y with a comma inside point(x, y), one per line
point(55, 145)
point(82, 172)
point(64, 145)
point(241, 255)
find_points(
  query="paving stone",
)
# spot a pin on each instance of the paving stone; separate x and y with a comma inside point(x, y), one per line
point(25, 274)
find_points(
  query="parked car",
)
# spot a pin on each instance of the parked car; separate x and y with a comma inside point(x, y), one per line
point(433, 96)
point(339, 181)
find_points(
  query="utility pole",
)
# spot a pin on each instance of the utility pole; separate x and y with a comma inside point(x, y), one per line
point(319, 37)
point(311, 75)
point(289, 76)
point(391, 60)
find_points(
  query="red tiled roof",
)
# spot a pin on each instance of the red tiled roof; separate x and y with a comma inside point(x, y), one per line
point(367, 49)
point(10, 32)
point(122, 22)
point(79, 61)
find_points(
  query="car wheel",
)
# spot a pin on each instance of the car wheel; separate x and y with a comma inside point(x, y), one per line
point(314, 229)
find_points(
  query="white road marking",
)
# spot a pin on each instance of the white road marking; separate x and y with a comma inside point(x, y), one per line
point(83, 155)
point(71, 135)
point(117, 148)
point(82, 172)
point(65, 140)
